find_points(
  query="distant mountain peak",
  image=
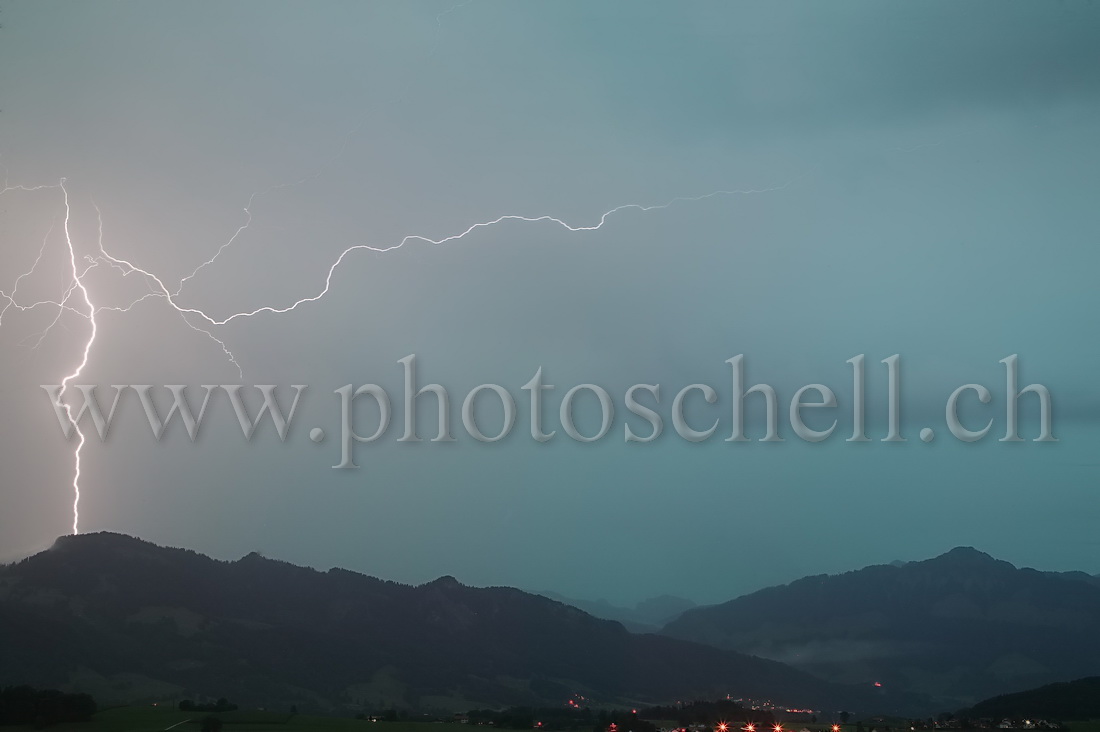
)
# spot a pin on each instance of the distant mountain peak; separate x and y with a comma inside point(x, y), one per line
point(918, 626)
point(445, 582)
point(968, 555)
point(99, 545)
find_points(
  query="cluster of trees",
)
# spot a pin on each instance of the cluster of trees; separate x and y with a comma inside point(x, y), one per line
point(23, 705)
point(210, 723)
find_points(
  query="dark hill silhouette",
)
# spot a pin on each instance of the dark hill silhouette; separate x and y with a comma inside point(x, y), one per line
point(140, 621)
point(960, 627)
point(1072, 700)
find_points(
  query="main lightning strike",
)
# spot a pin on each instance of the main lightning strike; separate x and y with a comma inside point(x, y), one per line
point(76, 284)
point(77, 276)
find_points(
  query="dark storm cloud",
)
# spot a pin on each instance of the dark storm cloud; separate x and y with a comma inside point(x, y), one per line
point(799, 65)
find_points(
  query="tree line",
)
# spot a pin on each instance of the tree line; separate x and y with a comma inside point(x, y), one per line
point(23, 705)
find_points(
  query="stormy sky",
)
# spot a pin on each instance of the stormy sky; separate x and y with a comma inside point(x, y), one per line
point(889, 178)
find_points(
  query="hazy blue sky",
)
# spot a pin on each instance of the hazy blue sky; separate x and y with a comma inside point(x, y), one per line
point(928, 178)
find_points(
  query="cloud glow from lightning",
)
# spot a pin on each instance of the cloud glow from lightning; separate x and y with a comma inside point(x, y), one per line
point(84, 307)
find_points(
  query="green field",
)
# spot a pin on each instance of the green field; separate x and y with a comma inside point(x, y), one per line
point(1093, 726)
point(155, 719)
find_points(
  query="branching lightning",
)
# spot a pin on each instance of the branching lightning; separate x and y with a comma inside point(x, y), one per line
point(76, 298)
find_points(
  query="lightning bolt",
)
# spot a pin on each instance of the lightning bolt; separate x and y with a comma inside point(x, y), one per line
point(215, 321)
point(127, 269)
point(159, 289)
point(18, 280)
point(77, 277)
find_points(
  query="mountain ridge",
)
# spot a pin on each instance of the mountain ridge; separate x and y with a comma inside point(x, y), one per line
point(960, 626)
point(127, 620)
